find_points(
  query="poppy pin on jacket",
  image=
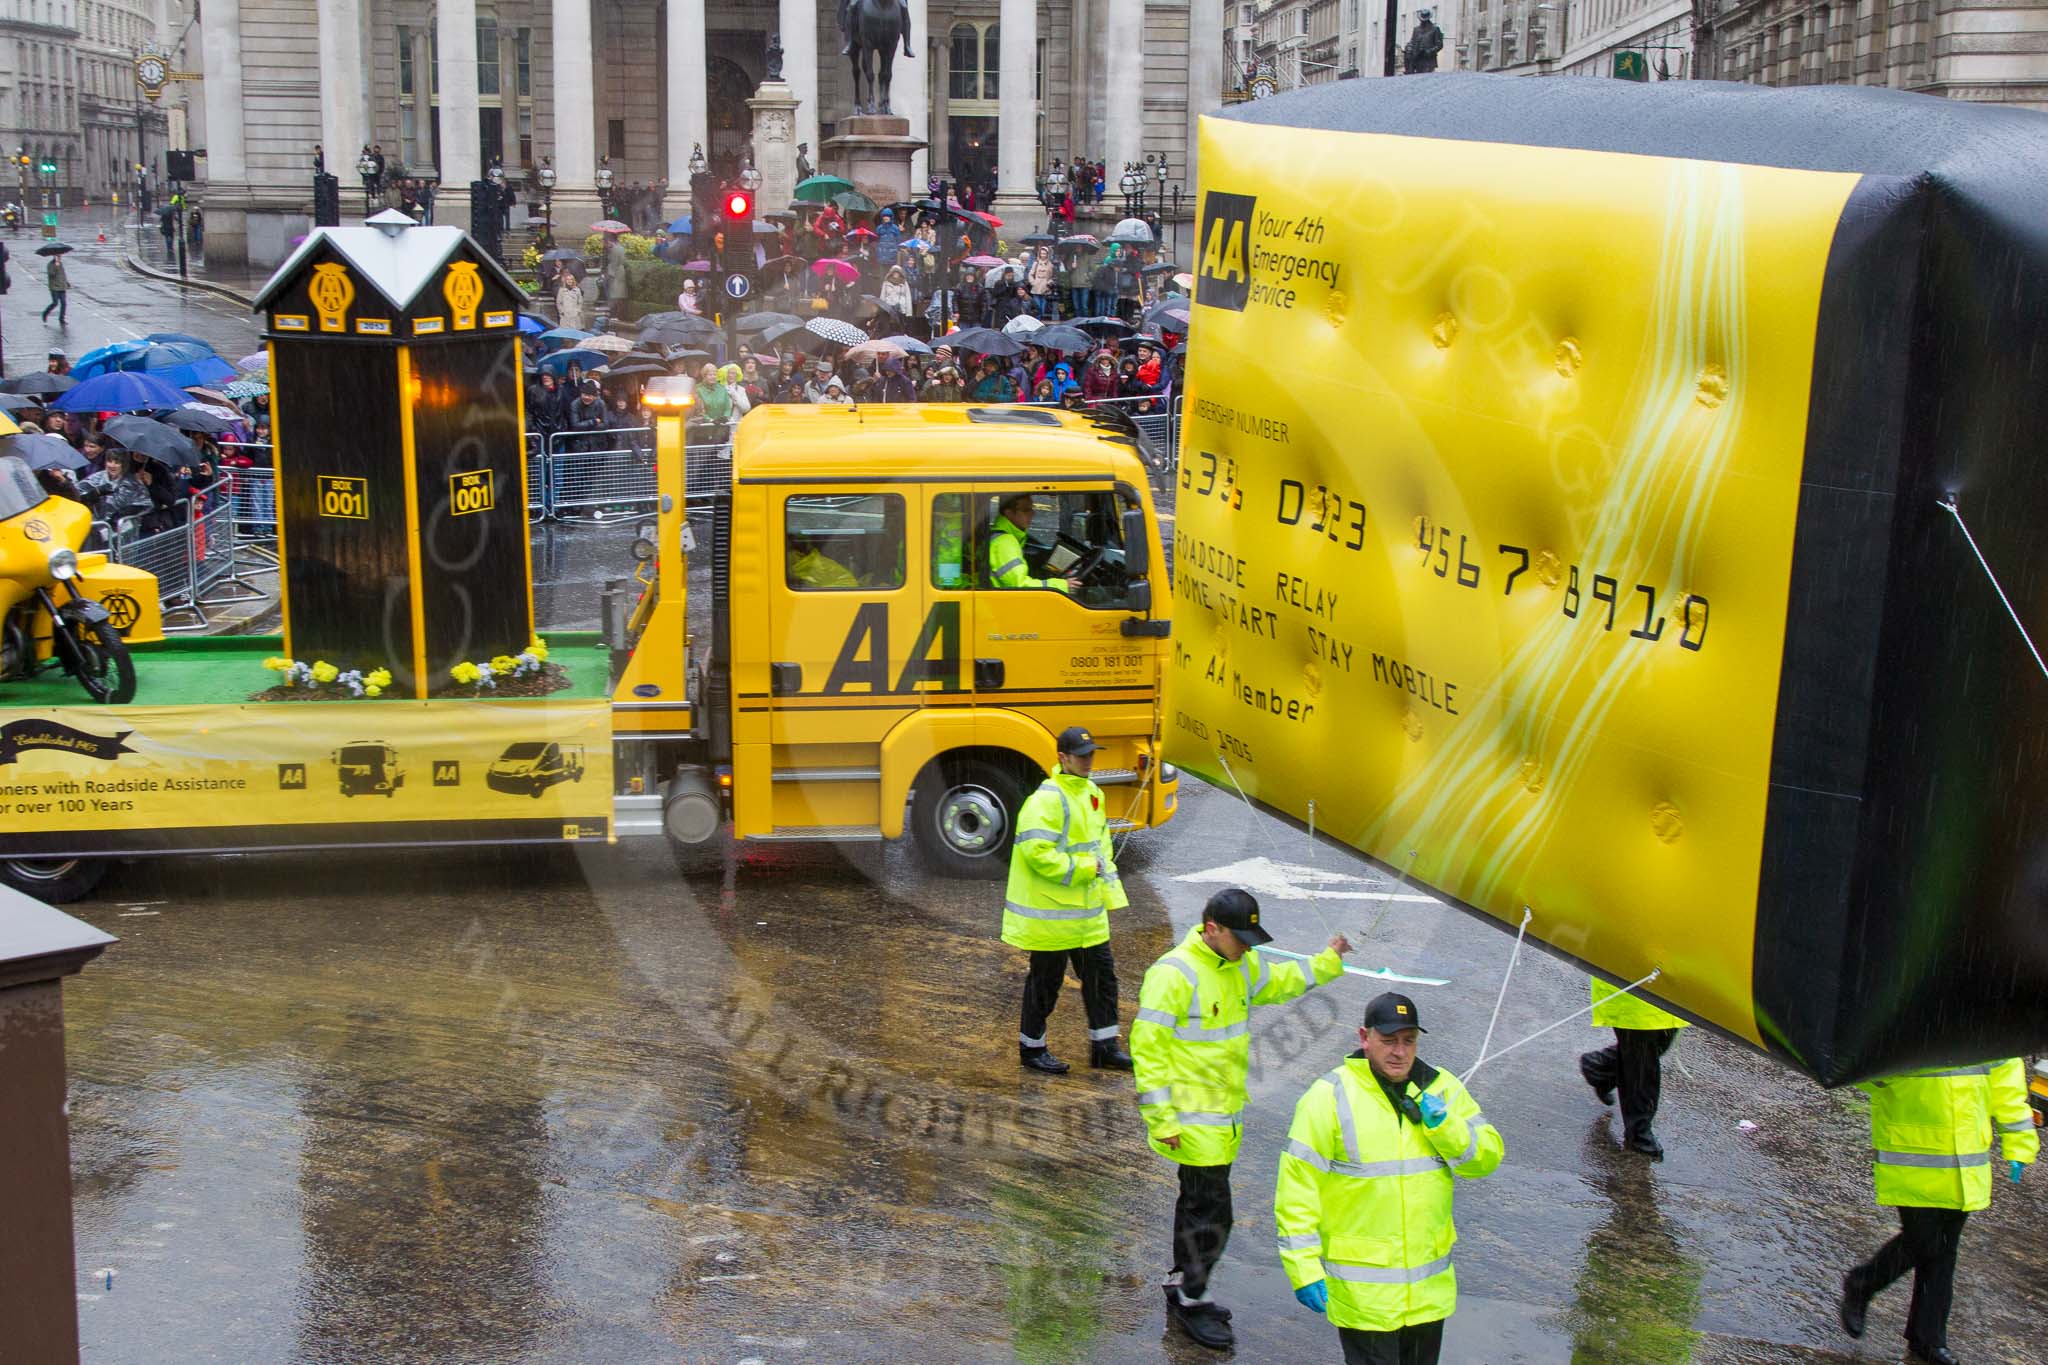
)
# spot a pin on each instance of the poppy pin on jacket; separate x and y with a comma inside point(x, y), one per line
point(1095, 803)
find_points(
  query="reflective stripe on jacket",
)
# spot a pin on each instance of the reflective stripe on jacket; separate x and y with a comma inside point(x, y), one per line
point(1612, 1009)
point(1055, 898)
point(1006, 566)
point(1364, 1197)
point(1932, 1130)
point(1191, 1043)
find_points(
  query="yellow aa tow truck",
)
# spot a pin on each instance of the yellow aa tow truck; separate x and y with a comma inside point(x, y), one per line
point(860, 658)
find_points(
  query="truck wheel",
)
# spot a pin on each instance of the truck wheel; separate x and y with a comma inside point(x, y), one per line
point(59, 881)
point(964, 817)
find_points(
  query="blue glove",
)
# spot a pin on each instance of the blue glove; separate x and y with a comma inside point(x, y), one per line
point(2014, 1166)
point(1434, 1110)
point(1314, 1296)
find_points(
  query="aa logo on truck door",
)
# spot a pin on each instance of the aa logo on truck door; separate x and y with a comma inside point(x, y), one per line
point(1224, 278)
point(863, 660)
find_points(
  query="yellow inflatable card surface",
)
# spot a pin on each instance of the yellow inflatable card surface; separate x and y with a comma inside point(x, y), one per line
point(1490, 465)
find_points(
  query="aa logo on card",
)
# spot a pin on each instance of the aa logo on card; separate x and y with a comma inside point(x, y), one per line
point(1224, 278)
point(291, 777)
point(447, 773)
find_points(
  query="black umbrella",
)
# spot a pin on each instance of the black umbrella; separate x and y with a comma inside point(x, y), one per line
point(1038, 239)
point(634, 367)
point(1068, 340)
point(1162, 268)
point(1102, 326)
point(762, 322)
point(39, 385)
point(688, 355)
point(202, 420)
point(42, 450)
point(784, 329)
point(984, 341)
point(54, 248)
point(150, 437)
point(14, 402)
point(678, 333)
point(562, 253)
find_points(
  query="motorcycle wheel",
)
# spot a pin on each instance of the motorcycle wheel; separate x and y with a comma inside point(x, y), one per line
point(98, 657)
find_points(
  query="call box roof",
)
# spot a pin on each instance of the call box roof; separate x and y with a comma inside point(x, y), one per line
point(397, 259)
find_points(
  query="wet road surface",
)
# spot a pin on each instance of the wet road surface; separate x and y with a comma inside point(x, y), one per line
point(108, 303)
point(574, 1107)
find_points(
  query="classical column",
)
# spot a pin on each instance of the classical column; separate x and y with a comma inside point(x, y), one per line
point(455, 51)
point(1205, 76)
point(221, 36)
point(575, 149)
point(508, 97)
point(910, 90)
point(1124, 137)
point(344, 117)
point(688, 122)
point(1017, 117)
point(799, 20)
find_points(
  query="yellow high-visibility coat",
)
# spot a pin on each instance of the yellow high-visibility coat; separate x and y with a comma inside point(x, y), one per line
point(1364, 1196)
point(1191, 1043)
point(1611, 1009)
point(1932, 1130)
point(1063, 879)
point(1006, 564)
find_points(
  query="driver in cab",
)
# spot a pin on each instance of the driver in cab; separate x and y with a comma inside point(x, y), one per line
point(1006, 548)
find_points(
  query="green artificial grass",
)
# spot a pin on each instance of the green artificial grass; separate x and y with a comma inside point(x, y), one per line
point(218, 669)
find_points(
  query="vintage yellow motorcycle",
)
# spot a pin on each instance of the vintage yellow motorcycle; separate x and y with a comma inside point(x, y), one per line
point(62, 608)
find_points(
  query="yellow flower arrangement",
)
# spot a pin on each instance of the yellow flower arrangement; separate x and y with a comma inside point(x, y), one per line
point(324, 672)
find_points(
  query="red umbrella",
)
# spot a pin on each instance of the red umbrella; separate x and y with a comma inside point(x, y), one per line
point(985, 261)
point(830, 265)
point(860, 232)
point(988, 218)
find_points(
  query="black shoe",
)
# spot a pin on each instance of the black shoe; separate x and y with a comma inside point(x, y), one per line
point(1109, 1055)
point(1646, 1143)
point(1940, 1355)
point(1855, 1306)
point(1603, 1093)
point(1041, 1059)
point(1205, 1324)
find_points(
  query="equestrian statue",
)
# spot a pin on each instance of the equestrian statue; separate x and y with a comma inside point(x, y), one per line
point(872, 29)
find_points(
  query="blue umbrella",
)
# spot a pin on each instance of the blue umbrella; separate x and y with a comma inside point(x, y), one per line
point(560, 337)
point(122, 391)
point(205, 371)
point(680, 225)
point(560, 361)
point(101, 359)
point(185, 337)
point(532, 324)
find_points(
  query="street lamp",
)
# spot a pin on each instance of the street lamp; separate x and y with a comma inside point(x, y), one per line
point(366, 167)
point(1159, 170)
point(546, 176)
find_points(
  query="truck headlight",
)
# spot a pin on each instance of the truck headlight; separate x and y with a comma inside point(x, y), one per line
point(63, 563)
point(1168, 773)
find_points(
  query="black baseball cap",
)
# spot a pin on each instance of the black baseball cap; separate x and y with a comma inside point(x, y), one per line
point(1390, 1013)
point(1238, 911)
point(1076, 740)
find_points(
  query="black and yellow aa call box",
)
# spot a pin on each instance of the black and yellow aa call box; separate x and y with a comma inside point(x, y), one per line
point(396, 408)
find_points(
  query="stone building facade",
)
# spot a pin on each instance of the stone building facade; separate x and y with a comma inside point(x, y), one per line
point(1993, 51)
point(999, 88)
point(69, 98)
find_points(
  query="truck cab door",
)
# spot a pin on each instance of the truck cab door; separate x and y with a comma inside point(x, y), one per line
point(1043, 643)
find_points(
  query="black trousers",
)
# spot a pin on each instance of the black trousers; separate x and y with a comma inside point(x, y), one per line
point(1048, 972)
point(1926, 1245)
point(1201, 1225)
point(1417, 1345)
point(1633, 1067)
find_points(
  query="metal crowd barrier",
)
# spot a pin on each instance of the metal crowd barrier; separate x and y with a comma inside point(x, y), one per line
point(252, 496)
point(614, 470)
point(193, 562)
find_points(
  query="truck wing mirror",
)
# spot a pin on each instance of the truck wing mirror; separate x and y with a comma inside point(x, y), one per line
point(1138, 595)
point(1137, 544)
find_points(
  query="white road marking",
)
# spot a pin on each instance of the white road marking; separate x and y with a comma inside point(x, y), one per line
point(1262, 876)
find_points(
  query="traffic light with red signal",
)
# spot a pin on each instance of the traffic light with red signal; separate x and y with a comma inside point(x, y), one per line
point(738, 208)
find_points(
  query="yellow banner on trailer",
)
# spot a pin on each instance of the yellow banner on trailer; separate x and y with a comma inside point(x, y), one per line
point(292, 774)
point(1489, 469)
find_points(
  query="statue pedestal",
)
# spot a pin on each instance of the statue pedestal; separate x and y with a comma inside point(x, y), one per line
point(774, 106)
point(874, 151)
